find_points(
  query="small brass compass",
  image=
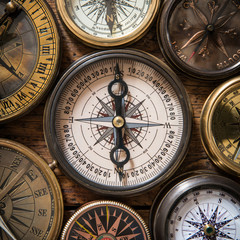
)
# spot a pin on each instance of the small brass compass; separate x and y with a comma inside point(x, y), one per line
point(220, 126)
point(29, 55)
point(105, 220)
point(108, 23)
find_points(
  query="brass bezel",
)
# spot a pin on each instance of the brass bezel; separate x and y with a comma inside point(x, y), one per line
point(102, 43)
point(206, 133)
point(13, 106)
point(51, 179)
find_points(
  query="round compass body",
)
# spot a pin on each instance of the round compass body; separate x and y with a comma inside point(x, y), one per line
point(29, 55)
point(31, 205)
point(203, 206)
point(108, 23)
point(118, 121)
point(201, 38)
point(105, 220)
point(220, 126)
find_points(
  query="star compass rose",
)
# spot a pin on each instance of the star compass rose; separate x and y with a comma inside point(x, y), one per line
point(218, 226)
point(119, 123)
point(105, 220)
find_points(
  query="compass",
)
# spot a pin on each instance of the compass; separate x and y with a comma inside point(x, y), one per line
point(108, 23)
point(199, 206)
point(105, 220)
point(29, 55)
point(220, 126)
point(31, 205)
point(118, 121)
point(201, 38)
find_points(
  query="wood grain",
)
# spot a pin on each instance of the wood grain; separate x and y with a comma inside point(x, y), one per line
point(28, 130)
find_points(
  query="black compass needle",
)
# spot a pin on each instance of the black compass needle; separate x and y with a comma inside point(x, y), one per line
point(119, 121)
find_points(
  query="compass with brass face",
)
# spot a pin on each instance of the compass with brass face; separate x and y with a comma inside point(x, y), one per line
point(31, 205)
point(29, 55)
point(108, 23)
point(105, 220)
point(201, 38)
point(220, 126)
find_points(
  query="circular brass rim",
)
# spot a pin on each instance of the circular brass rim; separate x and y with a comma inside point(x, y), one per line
point(101, 43)
point(54, 68)
point(103, 203)
point(51, 178)
point(206, 133)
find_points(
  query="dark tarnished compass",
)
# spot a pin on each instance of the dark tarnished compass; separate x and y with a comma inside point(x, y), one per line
point(201, 38)
point(105, 220)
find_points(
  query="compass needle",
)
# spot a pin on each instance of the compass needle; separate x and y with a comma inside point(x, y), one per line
point(120, 128)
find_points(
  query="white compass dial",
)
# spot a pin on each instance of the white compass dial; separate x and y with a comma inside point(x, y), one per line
point(206, 214)
point(118, 122)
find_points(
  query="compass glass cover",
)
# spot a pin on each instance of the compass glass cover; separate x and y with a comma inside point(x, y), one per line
point(201, 38)
point(156, 116)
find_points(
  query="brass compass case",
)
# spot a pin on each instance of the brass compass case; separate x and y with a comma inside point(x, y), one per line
point(108, 23)
point(29, 55)
point(201, 38)
point(220, 126)
point(108, 220)
point(31, 204)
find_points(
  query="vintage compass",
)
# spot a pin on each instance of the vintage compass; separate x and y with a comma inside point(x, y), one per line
point(201, 38)
point(31, 205)
point(220, 126)
point(29, 55)
point(201, 206)
point(118, 121)
point(105, 220)
point(108, 23)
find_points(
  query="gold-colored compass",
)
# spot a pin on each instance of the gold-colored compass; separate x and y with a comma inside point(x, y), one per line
point(31, 205)
point(29, 55)
point(220, 126)
point(108, 23)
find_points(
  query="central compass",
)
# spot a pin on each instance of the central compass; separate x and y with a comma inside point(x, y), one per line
point(118, 121)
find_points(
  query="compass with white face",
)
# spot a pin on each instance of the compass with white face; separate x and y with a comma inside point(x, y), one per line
point(108, 23)
point(204, 206)
point(118, 121)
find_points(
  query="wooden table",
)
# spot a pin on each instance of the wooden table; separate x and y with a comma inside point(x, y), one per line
point(28, 130)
